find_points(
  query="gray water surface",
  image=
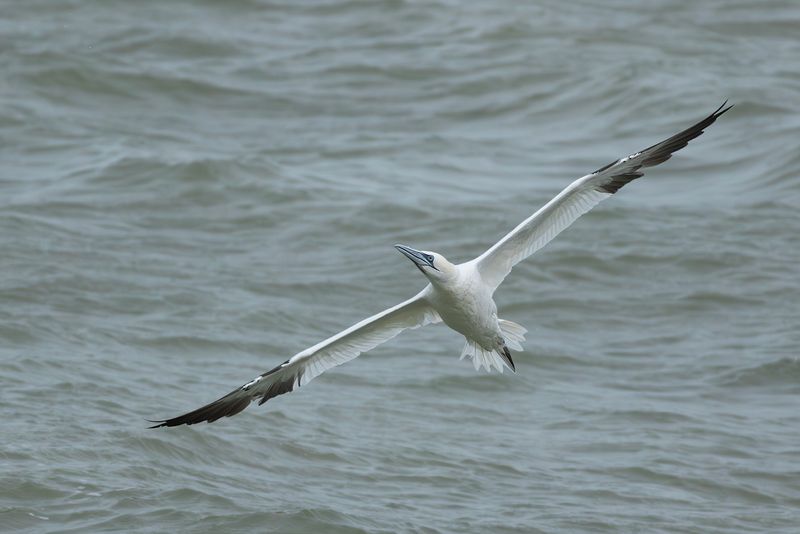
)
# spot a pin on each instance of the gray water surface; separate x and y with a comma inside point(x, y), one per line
point(191, 192)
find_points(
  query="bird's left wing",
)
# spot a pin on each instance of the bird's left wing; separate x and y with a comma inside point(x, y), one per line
point(304, 366)
point(578, 198)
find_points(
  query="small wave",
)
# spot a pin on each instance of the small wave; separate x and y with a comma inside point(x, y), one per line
point(694, 485)
point(190, 45)
point(654, 417)
point(80, 82)
point(783, 372)
point(470, 382)
point(305, 520)
point(704, 298)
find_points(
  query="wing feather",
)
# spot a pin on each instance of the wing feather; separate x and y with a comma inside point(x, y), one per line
point(304, 366)
point(578, 198)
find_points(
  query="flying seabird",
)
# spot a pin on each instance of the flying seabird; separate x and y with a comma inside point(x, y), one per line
point(459, 295)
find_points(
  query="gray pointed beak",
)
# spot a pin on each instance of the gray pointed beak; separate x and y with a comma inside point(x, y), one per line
point(419, 258)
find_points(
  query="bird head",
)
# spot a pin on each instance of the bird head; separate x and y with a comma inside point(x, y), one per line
point(432, 264)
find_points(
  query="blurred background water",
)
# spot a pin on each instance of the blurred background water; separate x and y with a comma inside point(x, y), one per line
point(191, 192)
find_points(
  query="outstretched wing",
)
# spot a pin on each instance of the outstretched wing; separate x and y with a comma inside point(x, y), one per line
point(304, 366)
point(578, 198)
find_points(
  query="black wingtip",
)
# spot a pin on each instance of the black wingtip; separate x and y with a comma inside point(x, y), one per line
point(506, 354)
point(717, 113)
point(163, 422)
point(659, 152)
point(224, 407)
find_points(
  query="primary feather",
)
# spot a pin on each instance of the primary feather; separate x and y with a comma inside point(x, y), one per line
point(579, 197)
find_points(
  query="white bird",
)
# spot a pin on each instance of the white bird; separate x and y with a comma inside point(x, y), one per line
point(459, 295)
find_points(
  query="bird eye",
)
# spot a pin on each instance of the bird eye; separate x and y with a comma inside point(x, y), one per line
point(429, 258)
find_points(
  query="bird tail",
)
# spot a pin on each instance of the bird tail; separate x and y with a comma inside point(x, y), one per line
point(513, 333)
point(482, 357)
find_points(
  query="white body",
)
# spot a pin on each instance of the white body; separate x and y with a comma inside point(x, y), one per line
point(462, 299)
point(465, 304)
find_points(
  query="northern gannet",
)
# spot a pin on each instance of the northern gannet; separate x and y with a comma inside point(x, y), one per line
point(459, 295)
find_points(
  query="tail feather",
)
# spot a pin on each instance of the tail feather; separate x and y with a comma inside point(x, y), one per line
point(513, 334)
point(506, 355)
point(482, 357)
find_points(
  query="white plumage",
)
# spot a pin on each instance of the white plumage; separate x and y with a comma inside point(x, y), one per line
point(459, 295)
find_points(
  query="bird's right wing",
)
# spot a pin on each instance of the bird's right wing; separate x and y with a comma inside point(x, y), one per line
point(304, 366)
point(578, 198)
